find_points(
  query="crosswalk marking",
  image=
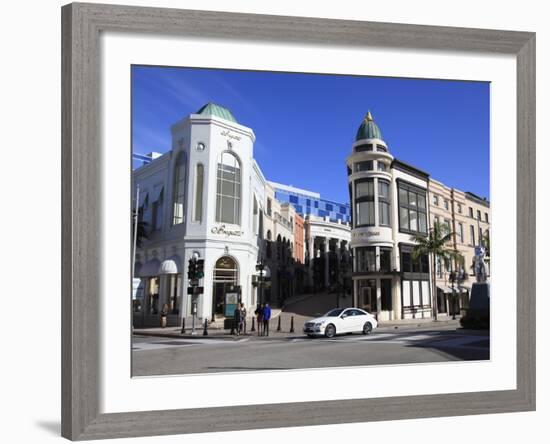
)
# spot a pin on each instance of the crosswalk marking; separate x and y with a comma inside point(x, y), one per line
point(443, 339)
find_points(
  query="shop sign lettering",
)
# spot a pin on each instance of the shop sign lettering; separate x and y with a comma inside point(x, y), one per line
point(226, 133)
point(367, 234)
point(225, 231)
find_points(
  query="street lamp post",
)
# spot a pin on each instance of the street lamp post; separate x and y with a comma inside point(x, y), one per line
point(453, 293)
point(260, 266)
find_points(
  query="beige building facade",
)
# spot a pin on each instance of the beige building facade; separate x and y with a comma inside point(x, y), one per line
point(468, 218)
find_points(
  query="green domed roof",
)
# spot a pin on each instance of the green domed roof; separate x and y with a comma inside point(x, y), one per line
point(211, 109)
point(368, 129)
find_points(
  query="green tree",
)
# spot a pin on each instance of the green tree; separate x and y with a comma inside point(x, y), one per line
point(435, 245)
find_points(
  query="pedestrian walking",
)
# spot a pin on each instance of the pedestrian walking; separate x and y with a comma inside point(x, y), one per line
point(266, 318)
point(242, 324)
point(237, 319)
point(259, 312)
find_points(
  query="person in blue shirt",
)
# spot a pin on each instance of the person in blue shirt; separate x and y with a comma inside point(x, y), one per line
point(266, 318)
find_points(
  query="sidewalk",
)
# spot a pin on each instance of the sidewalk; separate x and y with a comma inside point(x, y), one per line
point(215, 332)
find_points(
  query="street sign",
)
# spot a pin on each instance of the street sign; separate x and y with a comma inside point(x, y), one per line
point(194, 290)
point(231, 301)
point(200, 269)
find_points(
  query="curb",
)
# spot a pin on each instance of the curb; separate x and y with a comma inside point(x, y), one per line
point(199, 335)
point(223, 336)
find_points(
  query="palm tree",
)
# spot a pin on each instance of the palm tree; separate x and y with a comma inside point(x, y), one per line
point(434, 245)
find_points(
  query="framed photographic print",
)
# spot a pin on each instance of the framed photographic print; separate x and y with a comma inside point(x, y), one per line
point(278, 221)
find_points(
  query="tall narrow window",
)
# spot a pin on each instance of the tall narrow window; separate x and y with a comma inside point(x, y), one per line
point(384, 202)
point(228, 193)
point(385, 259)
point(472, 235)
point(199, 181)
point(179, 189)
point(461, 232)
point(255, 216)
point(412, 209)
point(364, 202)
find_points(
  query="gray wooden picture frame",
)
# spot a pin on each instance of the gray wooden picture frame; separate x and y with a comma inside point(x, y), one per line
point(81, 172)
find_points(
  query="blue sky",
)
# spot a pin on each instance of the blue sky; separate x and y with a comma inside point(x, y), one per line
point(305, 123)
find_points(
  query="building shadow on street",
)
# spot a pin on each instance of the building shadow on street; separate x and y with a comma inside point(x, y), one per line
point(458, 347)
point(315, 305)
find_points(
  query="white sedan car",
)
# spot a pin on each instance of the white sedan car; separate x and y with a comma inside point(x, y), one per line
point(341, 320)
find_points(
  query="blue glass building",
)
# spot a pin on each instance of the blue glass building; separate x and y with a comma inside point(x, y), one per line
point(307, 202)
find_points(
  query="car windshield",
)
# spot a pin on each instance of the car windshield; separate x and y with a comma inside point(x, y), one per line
point(335, 312)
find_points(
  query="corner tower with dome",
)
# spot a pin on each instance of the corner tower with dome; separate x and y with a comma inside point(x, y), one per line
point(389, 205)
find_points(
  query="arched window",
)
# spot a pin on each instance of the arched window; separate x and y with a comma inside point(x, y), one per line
point(199, 181)
point(226, 270)
point(179, 189)
point(228, 193)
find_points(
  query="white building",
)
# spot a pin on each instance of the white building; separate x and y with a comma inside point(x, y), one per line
point(389, 206)
point(204, 198)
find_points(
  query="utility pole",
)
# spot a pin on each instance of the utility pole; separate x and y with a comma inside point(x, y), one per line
point(134, 247)
point(136, 213)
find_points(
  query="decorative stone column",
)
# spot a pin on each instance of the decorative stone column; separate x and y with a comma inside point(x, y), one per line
point(311, 246)
point(327, 250)
point(378, 298)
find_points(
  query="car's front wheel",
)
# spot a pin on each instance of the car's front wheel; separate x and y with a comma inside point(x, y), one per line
point(330, 331)
point(367, 328)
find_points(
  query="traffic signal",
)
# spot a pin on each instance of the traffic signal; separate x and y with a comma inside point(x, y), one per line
point(192, 269)
point(200, 269)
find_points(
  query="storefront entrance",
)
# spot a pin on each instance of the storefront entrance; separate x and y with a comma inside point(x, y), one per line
point(367, 295)
point(226, 275)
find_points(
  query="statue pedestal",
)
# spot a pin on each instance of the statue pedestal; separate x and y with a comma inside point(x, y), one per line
point(478, 314)
point(479, 298)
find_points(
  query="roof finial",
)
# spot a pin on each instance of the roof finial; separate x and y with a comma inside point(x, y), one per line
point(369, 116)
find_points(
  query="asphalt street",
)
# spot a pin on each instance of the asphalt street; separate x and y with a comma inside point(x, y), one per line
point(166, 356)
